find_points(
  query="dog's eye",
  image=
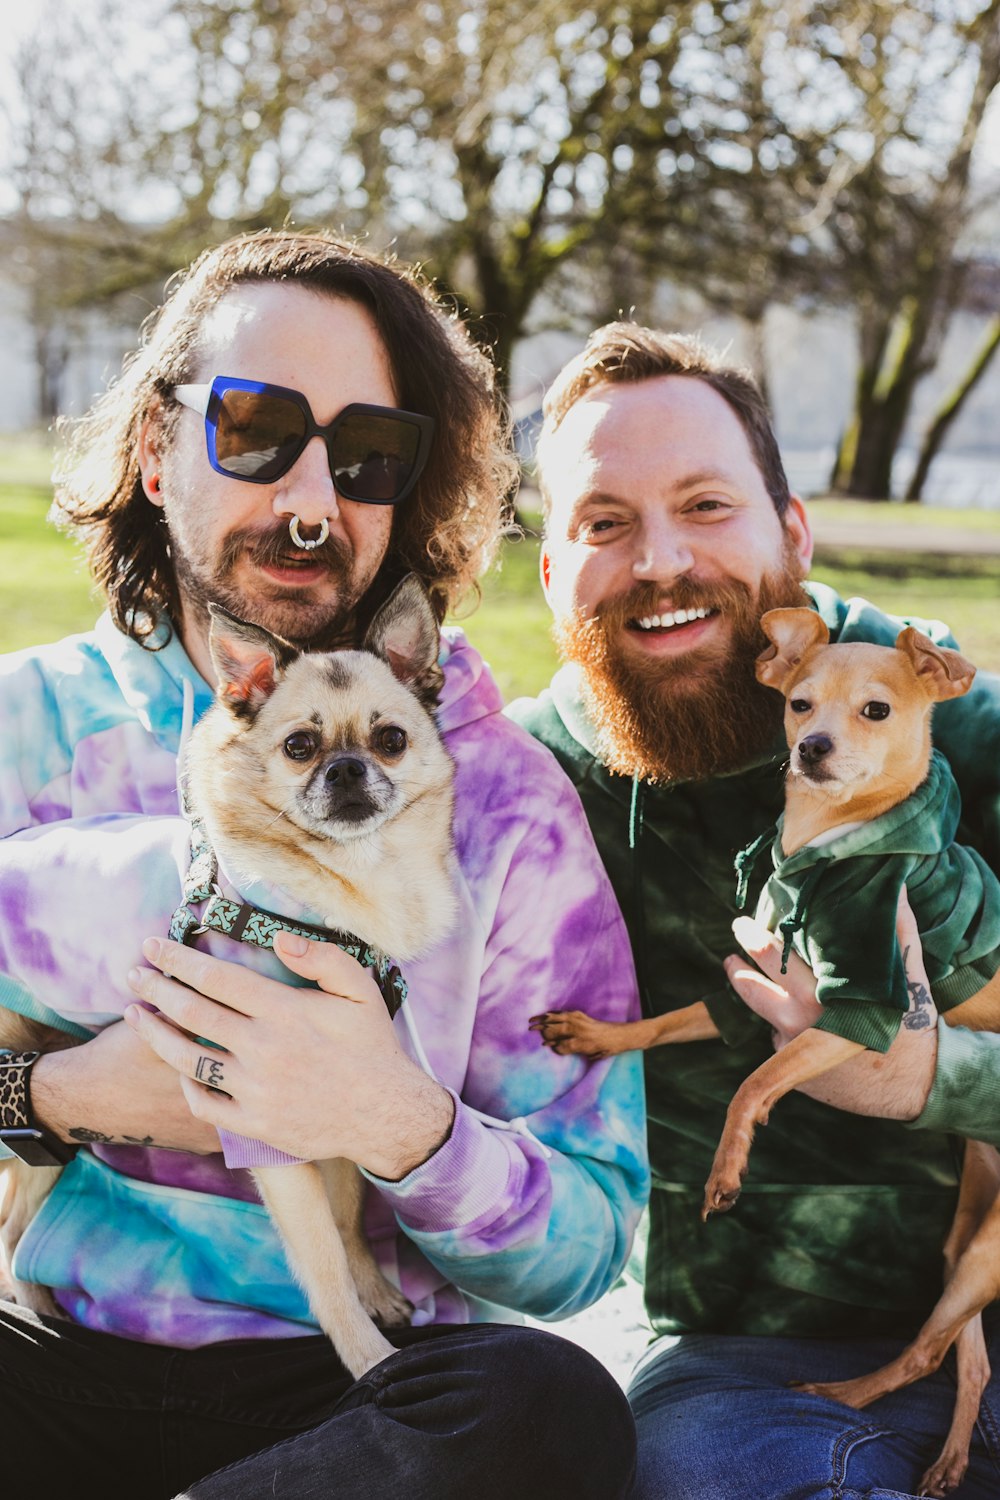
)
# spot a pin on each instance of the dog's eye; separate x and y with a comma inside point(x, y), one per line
point(392, 740)
point(300, 746)
point(800, 706)
point(875, 710)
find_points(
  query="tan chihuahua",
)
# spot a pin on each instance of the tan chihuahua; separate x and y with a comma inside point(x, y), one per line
point(857, 720)
point(325, 775)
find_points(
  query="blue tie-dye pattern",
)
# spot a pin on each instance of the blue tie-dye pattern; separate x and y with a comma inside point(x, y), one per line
point(496, 1219)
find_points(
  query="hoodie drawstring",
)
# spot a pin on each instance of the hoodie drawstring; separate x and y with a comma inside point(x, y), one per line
point(636, 816)
point(187, 724)
point(790, 925)
point(745, 861)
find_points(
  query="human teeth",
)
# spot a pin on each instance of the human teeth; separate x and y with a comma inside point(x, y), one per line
point(672, 617)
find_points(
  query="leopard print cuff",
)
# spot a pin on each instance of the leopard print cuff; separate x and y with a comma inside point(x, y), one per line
point(15, 1100)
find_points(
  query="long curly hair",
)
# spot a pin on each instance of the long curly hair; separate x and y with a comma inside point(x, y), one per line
point(447, 530)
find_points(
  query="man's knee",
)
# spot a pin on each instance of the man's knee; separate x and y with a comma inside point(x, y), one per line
point(528, 1405)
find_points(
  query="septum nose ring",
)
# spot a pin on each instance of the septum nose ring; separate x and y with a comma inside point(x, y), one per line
point(316, 541)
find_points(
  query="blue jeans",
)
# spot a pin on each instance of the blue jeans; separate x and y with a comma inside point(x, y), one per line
point(487, 1411)
point(716, 1421)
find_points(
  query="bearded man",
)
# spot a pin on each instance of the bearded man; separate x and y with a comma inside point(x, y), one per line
point(669, 530)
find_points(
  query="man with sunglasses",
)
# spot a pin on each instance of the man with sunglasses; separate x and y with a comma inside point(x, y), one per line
point(301, 427)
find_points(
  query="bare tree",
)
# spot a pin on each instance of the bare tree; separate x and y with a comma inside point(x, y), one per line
point(895, 226)
point(949, 408)
point(757, 151)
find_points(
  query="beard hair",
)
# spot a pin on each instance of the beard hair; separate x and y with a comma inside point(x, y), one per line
point(690, 717)
point(199, 587)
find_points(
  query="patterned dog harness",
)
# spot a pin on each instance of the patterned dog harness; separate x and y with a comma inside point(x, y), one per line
point(251, 924)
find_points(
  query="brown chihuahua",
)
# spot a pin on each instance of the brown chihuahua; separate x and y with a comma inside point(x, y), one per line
point(857, 720)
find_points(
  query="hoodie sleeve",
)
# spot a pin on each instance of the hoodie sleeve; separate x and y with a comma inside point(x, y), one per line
point(966, 1088)
point(68, 755)
point(851, 947)
point(533, 1200)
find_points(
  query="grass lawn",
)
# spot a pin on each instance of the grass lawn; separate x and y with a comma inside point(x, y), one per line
point(45, 593)
point(44, 588)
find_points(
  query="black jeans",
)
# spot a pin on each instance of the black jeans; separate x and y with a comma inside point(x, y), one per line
point(485, 1412)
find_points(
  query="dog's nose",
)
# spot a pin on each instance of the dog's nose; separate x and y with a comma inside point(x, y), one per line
point(345, 771)
point(814, 747)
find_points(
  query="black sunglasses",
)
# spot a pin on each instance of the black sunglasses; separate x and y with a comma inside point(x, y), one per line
point(256, 431)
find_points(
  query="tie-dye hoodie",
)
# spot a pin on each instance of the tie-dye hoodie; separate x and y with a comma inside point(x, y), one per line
point(528, 1207)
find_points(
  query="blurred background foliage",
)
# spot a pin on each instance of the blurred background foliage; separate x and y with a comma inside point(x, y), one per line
point(532, 152)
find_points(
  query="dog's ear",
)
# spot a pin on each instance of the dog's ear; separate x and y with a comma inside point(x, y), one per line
point(792, 633)
point(249, 661)
point(405, 634)
point(942, 672)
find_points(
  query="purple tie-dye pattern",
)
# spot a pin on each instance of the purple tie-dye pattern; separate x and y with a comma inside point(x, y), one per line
point(178, 1169)
point(104, 772)
point(150, 1244)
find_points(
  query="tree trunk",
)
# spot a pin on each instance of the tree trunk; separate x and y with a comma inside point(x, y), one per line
point(949, 409)
point(882, 404)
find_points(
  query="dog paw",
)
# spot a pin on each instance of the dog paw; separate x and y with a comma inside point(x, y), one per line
point(721, 1190)
point(38, 1298)
point(725, 1180)
point(856, 1393)
point(719, 1198)
point(572, 1031)
point(386, 1305)
point(946, 1474)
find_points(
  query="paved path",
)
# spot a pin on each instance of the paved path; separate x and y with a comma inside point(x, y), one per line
point(882, 536)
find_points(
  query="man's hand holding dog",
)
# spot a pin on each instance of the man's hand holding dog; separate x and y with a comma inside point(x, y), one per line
point(316, 1073)
point(893, 1085)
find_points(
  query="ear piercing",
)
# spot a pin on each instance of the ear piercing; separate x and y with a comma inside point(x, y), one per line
point(317, 541)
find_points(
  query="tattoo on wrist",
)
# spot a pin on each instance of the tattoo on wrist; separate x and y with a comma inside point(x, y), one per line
point(210, 1072)
point(920, 1014)
point(83, 1133)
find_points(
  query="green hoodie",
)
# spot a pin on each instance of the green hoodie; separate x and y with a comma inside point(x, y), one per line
point(835, 902)
point(840, 1225)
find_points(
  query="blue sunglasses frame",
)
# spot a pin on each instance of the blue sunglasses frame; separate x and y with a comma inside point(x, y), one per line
point(206, 400)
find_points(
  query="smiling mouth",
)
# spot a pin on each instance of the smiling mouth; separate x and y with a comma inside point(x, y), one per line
point(671, 620)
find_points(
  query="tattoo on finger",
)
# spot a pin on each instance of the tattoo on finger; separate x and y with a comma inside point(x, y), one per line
point(210, 1072)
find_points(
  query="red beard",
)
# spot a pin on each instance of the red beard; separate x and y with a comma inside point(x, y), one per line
point(690, 717)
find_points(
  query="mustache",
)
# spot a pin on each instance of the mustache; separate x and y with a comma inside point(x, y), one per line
point(273, 547)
